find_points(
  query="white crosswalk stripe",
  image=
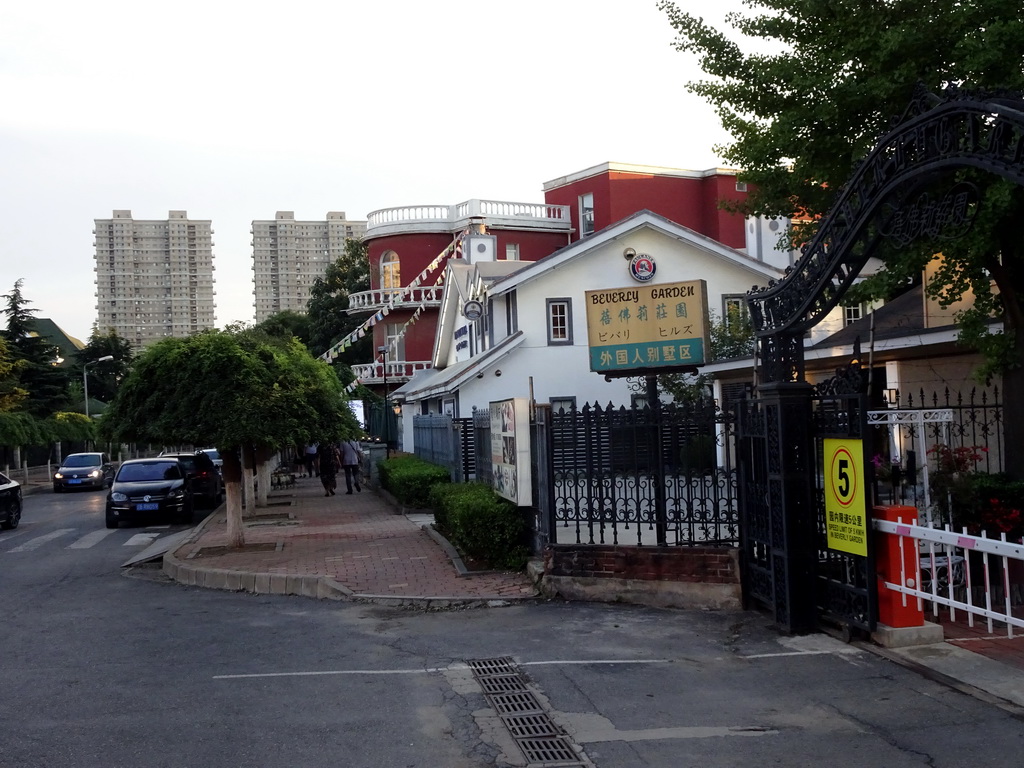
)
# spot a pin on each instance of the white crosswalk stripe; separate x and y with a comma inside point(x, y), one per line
point(88, 539)
point(38, 541)
point(91, 539)
point(141, 539)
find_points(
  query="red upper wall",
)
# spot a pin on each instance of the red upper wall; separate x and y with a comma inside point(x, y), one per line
point(416, 250)
point(688, 200)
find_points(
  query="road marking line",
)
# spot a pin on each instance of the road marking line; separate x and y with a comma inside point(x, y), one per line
point(430, 670)
point(91, 539)
point(141, 539)
point(37, 542)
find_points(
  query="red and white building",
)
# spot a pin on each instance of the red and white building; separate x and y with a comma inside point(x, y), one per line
point(405, 242)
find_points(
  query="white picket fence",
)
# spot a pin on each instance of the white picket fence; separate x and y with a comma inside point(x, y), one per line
point(959, 572)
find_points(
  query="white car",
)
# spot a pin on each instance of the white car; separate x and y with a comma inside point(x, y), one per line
point(10, 502)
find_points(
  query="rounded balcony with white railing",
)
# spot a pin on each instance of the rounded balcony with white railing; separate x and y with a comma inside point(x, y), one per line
point(396, 298)
point(497, 214)
point(398, 371)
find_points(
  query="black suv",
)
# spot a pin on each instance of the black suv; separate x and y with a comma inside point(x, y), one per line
point(204, 479)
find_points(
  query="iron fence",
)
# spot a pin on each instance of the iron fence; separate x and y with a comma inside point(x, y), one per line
point(642, 476)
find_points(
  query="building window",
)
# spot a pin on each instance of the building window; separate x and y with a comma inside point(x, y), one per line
point(559, 321)
point(395, 340)
point(512, 251)
point(586, 214)
point(563, 404)
point(390, 273)
point(853, 313)
point(511, 313)
point(741, 186)
point(734, 311)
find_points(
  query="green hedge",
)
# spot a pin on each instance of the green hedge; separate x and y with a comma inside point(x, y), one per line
point(410, 479)
point(481, 524)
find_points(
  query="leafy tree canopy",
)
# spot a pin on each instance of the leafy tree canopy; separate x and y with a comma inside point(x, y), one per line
point(105, 375)
point(328, 303)
point(806, 87)
point(11, 395)
point(229, 390)
point(287, 324)
point(45, 384)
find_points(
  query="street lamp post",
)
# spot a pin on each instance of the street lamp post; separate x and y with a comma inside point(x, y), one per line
point(384, 411)
point(85, 379)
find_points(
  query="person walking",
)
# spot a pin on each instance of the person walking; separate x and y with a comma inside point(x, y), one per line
point(309, 458)
point(351, 455)
point(328, 458)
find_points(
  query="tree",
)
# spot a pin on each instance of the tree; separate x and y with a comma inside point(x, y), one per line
point(824, 81)
point(38, 375)
point(238, 391)
point(328, 303)
point(287, 324)
point(729, 337)
point(11, 395)
point(105, 376)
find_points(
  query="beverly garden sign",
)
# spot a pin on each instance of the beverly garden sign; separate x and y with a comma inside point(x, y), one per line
point(640, 328)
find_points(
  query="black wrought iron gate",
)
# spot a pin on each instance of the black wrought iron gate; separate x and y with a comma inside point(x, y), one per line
point(788, 566)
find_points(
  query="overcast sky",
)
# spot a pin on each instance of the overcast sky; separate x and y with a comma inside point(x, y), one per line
point(234, 110)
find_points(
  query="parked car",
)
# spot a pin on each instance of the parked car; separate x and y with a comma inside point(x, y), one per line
point(10, 502)
point(214, 455)
point(83, 470)
point(207, 485)
point(146, 489)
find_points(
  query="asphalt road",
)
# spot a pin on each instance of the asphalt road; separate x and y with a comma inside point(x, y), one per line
point(104, 666)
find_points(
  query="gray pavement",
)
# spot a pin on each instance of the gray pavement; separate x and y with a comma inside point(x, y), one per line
point(364, 547)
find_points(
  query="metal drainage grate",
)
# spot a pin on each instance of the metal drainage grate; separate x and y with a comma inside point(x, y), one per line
point(503, 665)
point(549, 751)
point(531, 726)
point(516, 704)
point(502, 683)
point(543, 743)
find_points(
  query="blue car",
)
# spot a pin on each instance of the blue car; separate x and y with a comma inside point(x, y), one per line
point(150, 489)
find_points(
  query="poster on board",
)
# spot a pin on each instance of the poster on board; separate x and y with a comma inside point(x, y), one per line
point(510, 450)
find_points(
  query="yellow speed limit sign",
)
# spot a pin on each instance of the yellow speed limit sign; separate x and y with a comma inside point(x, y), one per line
point(845, 510)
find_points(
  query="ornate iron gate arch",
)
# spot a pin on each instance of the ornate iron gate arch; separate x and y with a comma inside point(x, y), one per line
point(888, 196)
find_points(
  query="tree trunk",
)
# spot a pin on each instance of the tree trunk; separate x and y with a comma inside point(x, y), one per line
point(248, 487)
point(232, 470)
point(264, 466)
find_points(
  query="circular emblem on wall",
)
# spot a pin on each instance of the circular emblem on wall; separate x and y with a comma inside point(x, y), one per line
point(642, 267)
point(472, 310)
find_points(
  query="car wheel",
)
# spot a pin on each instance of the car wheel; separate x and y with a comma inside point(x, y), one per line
point(13, 517)
point(112, 522)
point(57, 488)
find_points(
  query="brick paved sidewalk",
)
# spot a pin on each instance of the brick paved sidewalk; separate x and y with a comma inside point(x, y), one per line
point(338, 546)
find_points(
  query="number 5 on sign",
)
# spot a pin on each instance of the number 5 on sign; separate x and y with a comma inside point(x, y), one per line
point(845, 512)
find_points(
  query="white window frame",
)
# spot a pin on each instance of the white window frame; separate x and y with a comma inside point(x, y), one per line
point(587, 226)
point(559, 321)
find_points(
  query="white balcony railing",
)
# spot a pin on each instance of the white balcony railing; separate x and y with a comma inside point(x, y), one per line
point(452, 218)
point(365, 301)
point(399, 371)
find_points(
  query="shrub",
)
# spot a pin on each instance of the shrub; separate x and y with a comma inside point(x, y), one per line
point(481, 524)
point(993, 503)
point(410, 479)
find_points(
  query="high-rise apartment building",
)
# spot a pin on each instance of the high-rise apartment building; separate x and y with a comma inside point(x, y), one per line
point(154, 278)
point(289, 255)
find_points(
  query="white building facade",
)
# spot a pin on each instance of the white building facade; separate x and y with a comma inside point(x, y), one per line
point(154, 278)
point(511, 330)
point(289, 255)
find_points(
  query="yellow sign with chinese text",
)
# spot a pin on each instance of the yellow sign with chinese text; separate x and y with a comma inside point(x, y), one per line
point(648, 326)
point(846, 519)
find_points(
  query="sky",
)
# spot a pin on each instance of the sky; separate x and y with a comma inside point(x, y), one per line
point(235, 110)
